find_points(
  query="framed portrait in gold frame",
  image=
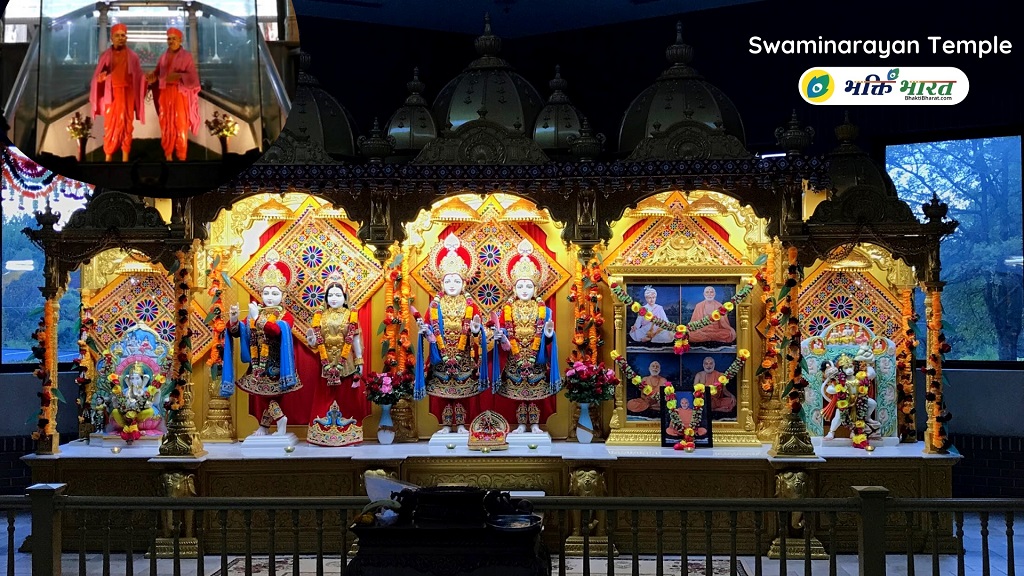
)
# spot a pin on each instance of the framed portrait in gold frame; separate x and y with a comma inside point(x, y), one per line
point(680, 295)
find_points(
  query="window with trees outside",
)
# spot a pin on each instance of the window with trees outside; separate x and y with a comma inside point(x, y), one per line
point(980, 180)
point(26, 187)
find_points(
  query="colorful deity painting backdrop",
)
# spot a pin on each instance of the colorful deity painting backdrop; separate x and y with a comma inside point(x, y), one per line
point(491, 241)
point(314, 247)
point(130, 300)
point(841, 311)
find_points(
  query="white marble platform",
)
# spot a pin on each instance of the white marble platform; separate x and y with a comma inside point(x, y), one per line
point(558, 449)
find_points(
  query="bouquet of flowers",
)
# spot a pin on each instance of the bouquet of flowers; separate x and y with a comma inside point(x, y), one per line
point(387, 388)
point(79, 127)
point(222, 125)
point(587, 383)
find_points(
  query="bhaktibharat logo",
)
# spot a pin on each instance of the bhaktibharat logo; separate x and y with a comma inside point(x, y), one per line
point(884, 86)
point(816, 86)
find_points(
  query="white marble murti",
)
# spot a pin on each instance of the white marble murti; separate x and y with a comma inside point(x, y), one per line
point(846, 442)
point(525, 439)
point(269, 442)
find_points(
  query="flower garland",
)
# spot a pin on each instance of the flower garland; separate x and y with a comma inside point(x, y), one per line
point(682, 331)
point(853, 391)
point(937, 413)
point(215, 319)
point(788, 296)
point(699, 391)
point(396, 345)
point(773, 336)
point(85, 366)
point(538, 330)
point(586, 297)
point(905, 359)
point(181, 366)
point(41, 351)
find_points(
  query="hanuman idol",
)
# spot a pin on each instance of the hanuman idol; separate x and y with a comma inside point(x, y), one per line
point(529, 354)
point(456, 370)
point(266, 344)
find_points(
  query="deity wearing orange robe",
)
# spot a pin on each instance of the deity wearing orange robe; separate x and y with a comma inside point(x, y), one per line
point(718, 331)
point(117, 93)
point(177, 95)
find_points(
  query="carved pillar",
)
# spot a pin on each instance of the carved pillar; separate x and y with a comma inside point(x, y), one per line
point(218, 426)
point(769, 417)
point(905, 359)
point(181, 439)
point(47, 437)
point(177, 524)
point(793, 439)
point(377, 231)
point(936, 440)
point(588, 483)
point(795, 484)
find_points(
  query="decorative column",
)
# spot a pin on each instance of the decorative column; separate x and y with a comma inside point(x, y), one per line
point(217, 426)
point(181, 439)
point(770, 413)
point(403, 413)
point(936, 439)
point(46, 436)
point(793, 439)
point(905, 360)
point(586, 298)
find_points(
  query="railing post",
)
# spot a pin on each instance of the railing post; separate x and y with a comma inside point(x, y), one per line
point(871, 530)
point(46, 528)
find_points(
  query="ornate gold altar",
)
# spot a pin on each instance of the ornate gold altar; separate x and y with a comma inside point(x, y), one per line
point(792, 262)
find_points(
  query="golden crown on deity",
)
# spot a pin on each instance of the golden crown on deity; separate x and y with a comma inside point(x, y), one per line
point(844, 361)
point(453, 258)
point(137, 368)
point(274, 272)
point(525, 265)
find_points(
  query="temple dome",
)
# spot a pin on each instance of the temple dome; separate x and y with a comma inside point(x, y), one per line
point(412, 126)
point(488, 89)
point(558, 120)
point(680, 95)
point(850, 168)
point(318, 129)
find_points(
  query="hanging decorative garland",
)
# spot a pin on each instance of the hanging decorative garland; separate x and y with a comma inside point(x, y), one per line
point(905, 359)
point(699, 391)
point(937, 412)
point(682, 331)
point(24, 179)
point(787, 297)
point(773, 336)
point(218, 280)
point(181, 368)
point(586, 297)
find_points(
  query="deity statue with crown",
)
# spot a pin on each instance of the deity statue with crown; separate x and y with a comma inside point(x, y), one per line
point(451, 334)
point(526, 362)
point(267, 346)
point(336, 337)
point(130, 385)
point(845, 390)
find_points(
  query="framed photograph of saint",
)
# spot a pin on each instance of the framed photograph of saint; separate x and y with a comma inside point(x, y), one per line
point(658, 369)
point(670, 435)
point(699, 302)
point(662, 302)
point(670, 296)
point(705, 368)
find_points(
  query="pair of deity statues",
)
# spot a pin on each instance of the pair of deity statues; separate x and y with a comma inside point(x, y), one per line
point(461, 360)
point(267, 345)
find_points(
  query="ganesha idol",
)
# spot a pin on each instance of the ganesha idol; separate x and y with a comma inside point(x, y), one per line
point(128, 395)
point(266, 345)
point(134, 400)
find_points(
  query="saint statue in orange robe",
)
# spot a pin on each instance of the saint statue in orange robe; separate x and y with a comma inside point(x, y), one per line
point(177, 95)
point(117, 93)
point(717, 331)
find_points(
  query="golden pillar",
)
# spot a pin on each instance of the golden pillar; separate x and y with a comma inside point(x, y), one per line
point(793, 439)
point(935, 438)
point(218, 425)
point(769, 416)
point(181, 439)
point(47, 438)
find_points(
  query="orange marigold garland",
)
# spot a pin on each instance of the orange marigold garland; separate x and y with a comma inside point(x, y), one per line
point(773, 336)
point(794, 390)
point(181, 364)
point(396, 346)
point(699, 392)
point(905, 360)
point(585, 295)
point(218, 280)
point(937, 413)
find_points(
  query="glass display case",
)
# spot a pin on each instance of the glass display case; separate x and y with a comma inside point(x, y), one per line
point(79, 84)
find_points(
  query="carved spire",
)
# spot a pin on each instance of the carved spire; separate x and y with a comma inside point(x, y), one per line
point(488, 44)
point(416, 89)
point(935, 210)
point(679, 53)
point(794, 138)
point(587, 146)
point(377, 147)
point(558, 86)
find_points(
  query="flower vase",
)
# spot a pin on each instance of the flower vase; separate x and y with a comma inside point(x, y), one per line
point(81, 148)
point(223, 146)
point(584, 426)
point(386, 428)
